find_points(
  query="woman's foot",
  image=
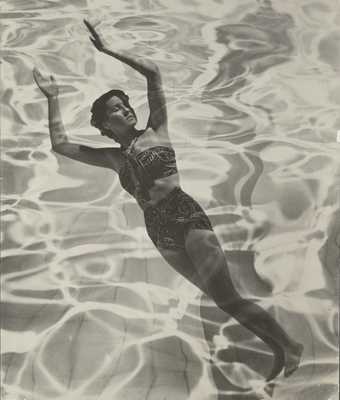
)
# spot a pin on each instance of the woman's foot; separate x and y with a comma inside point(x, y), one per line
point(288, 360)
point(279, 363)
point(292, 359)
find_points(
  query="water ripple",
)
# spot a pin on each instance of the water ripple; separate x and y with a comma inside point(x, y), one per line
point(90, 310)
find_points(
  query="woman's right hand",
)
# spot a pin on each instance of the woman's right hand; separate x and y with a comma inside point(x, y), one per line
point(48, 86)
point(95, 38)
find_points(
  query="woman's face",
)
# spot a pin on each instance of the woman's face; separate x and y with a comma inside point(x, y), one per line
point(120, 119)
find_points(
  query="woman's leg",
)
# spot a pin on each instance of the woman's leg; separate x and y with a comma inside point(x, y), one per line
point(208, 258)
point(179, 260)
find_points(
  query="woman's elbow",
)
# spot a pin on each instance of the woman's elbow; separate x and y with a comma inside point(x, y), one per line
point(54, 148)
point(152, 69)
point(155, 69)
point(58, 147)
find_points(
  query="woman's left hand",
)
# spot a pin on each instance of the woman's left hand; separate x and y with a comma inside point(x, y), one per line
point(95, 38)
point(47, 85)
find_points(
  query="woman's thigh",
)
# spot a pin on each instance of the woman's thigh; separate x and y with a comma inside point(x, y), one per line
point(207, 256)
point(179, 260)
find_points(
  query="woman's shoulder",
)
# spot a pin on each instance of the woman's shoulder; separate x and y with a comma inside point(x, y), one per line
point(151, 138)
point(115, 157)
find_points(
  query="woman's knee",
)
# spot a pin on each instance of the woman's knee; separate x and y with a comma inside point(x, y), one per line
point(181, 263)
point(202, 243)
point(224, 294)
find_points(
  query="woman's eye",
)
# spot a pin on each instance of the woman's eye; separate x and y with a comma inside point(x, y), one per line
point(114, 109)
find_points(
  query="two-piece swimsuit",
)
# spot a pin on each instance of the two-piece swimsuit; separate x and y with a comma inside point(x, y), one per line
point(168, 221)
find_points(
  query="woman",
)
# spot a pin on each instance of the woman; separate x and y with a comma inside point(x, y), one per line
point(176, 224)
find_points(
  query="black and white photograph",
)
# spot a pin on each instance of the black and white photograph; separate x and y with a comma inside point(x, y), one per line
point(170, 199)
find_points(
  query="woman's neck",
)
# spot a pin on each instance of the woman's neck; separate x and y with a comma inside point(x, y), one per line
point(130, 139)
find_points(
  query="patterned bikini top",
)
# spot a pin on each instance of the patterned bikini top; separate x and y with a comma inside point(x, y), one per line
point(139, 172)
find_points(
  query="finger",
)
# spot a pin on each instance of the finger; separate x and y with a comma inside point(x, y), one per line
point(89, 26)
point(93, 41)
point(97, 44)
point(37, 80)
point(36, 72)
point(91, 29)
point(39, 76)
point(36, 75)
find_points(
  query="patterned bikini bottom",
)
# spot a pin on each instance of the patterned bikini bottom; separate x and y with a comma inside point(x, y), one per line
point(169, 221)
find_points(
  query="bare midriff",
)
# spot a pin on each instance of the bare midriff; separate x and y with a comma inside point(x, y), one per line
point(162, 187)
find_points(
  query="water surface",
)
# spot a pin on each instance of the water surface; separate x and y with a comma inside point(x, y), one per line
point(89, 309)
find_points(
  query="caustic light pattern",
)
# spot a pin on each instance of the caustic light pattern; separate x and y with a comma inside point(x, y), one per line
point(89, 308)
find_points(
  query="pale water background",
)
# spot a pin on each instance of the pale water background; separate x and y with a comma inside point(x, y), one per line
point(89, 309)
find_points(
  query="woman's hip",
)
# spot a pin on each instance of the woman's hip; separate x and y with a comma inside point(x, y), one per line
point(168, 221)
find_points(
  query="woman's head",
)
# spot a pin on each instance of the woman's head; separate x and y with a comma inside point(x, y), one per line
point(113, 115)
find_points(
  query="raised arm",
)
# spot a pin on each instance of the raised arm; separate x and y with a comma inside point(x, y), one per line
point(100, 157)
point(156, 98)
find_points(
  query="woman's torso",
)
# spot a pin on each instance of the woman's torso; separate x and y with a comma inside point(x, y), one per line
point(148, 168)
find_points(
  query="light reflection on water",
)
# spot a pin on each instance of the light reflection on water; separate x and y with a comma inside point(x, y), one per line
point(90, 311)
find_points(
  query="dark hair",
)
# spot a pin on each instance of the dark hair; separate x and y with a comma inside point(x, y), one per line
point(98, 108)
